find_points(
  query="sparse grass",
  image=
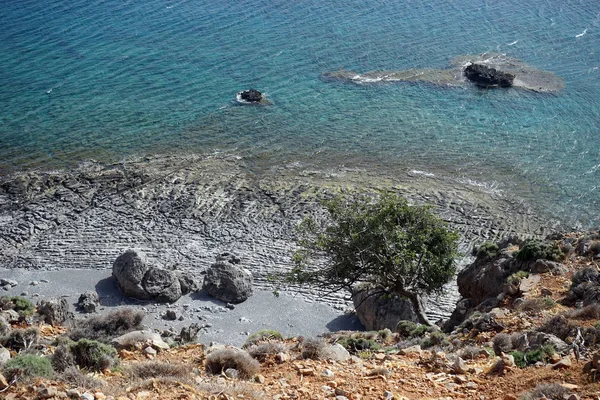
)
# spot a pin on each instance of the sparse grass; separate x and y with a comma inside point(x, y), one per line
point(223, 359)
point(26, 366)
point(591, 311)
point(263, 351)
point(313, 349)
point(537, 304)
point(156, 369)
point(541, 354)
point(73, 376)
point(106, 327)
point(265, 335)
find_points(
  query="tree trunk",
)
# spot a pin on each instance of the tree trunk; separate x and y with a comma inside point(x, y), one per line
point(417, 306)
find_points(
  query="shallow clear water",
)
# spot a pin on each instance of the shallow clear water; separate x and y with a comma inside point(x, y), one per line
point(108, 79)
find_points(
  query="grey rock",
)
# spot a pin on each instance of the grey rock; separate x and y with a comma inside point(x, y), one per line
point(170, 315)
point(541, 266)
point(4, 356)
point(189, 334)
point(187, 283)
point(378, 312)
point(88, 301)
point(5, 327)
point(525, 341)
point(55, 310)
point(128, 270)
point(139, 338)
point(337, 352)
point(162, 285)
point(10, 315)
point(8, 282)
point(228, 282)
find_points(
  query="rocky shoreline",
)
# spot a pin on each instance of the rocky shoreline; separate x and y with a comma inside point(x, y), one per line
point(182, 211)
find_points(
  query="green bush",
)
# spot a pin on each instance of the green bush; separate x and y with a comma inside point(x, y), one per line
point(487, 250)
point(356, 345)
point(534, 249)
point(93, 355)
point(542, 353)
point(435, 338)
point(409, 329)
point(20, 304)
point(27, 366)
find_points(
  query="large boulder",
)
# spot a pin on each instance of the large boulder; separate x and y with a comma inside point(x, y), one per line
point(135, 279)
point(485, 76)
point(128, 270)
point(227, 281)
point(88, 301)
point(380, 311)
point(55, 310)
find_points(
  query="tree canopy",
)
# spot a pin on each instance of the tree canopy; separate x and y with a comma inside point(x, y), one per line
point(396, 247)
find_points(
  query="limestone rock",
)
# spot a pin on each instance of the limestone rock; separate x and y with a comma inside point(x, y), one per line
point(4, 356)
point(139, 339)
point(55, 310)
point(228, 282)
point(380, 311)
point(88, 301)
point(129, 270)
point(337, 352)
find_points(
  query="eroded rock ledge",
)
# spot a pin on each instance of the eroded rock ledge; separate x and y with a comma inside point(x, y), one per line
point(183, 211)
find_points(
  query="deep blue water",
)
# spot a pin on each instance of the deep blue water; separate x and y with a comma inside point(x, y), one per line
point(113, 78)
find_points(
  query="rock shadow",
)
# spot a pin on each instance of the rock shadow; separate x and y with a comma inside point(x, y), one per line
point(346, 322)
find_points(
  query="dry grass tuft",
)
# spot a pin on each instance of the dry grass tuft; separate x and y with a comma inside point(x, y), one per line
point(223, 359)
point(106, 327)
point(314, 349)
point(73, 376)
point(157, 369)
point(262, 351)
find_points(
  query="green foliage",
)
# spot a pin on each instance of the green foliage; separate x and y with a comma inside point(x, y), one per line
point(264, 335)
point(487, 250)
point(409, 329)
point(359, 344)
point(387, 243)
point(541, 354)
point(435, 338)
point(534, 249)
point(20, 304)
point(93, 355)
point(27, 366)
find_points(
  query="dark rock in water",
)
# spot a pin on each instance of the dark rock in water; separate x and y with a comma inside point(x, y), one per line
point(54, 310)
point(485, 76)
point(379, 311)
point(227, 281)
point(88, 301)
point(251, 96)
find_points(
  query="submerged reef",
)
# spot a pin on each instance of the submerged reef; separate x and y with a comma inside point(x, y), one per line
point(524, 75)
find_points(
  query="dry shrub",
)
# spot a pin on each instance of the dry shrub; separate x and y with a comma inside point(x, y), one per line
point(262, 351)
point(536, 305)
point(157, 369)
point(223, 359)
point(265, 335)
point(62, 359)
point(94, 355)
point(559, 326)
point(550, 391)
point(314, 349)
point(73, 376)
point(21, 339)
point(502, 343)
point(380, 371)
point(106, 327)
point(470, 352)
point(231, 389)
point(591, 311)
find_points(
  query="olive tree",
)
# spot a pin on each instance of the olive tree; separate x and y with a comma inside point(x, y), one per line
point(396, 247)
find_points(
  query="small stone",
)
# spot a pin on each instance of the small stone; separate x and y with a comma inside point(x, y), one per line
point(570, 386)
point(99, 396)
point(34, 283)
point(332, 384)
point(471, 385)
point(143, 395)
point(44, 281)
point(170, 315)
point(4, 356)
point(232, 373)
point(3, 382)
point(73, 394)
point(259, 379)
point(8, 282)
point(573, 397)
point(416, 349)
point(87, 396)
point(47, 392)
point(280, 358)
point(545, 291)
point(149, 351)
point(327, 373)
point(565, 363)
point(459, 366)
point(341, 398)
point(230, 306)
point(387, 395)
point(306, 371)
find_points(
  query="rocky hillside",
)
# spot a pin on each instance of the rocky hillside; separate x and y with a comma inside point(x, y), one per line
point(528, 327)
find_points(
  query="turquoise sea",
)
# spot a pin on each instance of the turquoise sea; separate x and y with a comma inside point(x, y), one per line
point(106, 79)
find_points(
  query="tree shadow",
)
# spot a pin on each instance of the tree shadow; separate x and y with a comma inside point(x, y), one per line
point(346, 322)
